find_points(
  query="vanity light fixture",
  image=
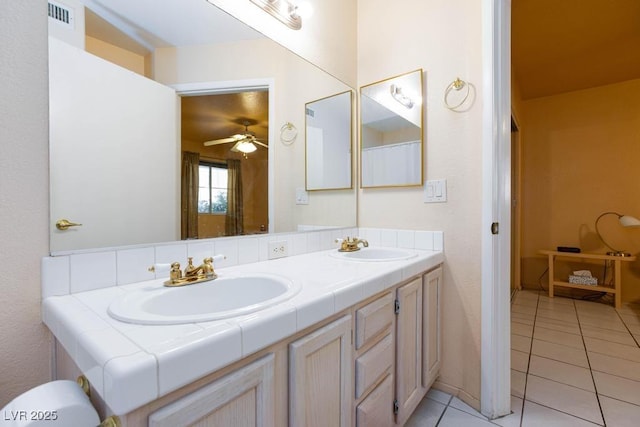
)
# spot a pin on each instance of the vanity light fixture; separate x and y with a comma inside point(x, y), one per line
point(625, 221)
point(396, 93)
point(283, 10)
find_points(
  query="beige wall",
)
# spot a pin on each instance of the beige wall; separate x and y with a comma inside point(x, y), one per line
point(122, 57)
point(25, 355)
point(444, 38)
point(581, 154)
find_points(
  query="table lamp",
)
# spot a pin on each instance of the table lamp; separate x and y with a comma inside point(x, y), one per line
point(625, 221)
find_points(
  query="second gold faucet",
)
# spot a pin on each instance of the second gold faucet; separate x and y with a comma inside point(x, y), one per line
point(350, 244)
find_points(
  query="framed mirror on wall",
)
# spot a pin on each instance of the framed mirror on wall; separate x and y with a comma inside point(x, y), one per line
point(329, 136)
point(391, 132)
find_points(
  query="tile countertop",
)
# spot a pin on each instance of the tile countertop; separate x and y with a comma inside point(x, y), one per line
point(130, 365)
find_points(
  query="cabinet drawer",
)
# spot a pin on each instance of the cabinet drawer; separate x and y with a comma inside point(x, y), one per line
point(373, 318)
point(376, 409)
point(373, 364)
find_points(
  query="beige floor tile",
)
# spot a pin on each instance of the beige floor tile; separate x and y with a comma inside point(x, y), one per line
point(527, 319)
point(619, 414)
point(519, 361)
point(523, 309)
point(558, 325)
point(629, 308)
point(521, 329)
point(614, 349)
point(634, 329)
point(608, 335)
point(567, 315)
point(613, 365)
point(565, 398)
point(560, 353)
point(455, 418)
point(558, 337)
point(512, 420)
point(521, 343)
point(534, 415)
point(529, 302)
point(607, 316)
point(427, 414)
point(617, 387)
point(544, 298)
point(518, 381)
point(630, 319)
point(614, 325)
point(565, 373)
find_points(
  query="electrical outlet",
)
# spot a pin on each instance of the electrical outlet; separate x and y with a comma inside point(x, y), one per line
point(278, 249)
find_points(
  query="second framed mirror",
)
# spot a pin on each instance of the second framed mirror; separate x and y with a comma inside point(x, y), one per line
point(391, 132)
point(328, 142)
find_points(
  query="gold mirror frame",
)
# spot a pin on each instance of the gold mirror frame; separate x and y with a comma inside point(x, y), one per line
point(340, 135)
point(391, 132)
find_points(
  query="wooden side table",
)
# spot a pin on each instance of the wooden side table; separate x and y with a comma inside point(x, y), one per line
point(617, 280)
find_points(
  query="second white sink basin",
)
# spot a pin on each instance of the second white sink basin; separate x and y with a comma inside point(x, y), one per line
point(221, 298)
point(375, 254)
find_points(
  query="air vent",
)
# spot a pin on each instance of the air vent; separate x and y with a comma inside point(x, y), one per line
point(61, 14)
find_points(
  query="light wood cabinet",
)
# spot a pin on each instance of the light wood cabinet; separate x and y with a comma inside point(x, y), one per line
point(431, 341)
point(244, 398)
point(320, 377)
point(377, 410)
point(409, 390)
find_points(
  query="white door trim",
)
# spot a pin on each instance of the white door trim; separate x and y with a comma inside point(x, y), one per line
point(496, 146)
point(230, 86)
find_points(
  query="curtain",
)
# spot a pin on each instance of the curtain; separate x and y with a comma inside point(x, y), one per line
point(189, 195)
point(234, 221)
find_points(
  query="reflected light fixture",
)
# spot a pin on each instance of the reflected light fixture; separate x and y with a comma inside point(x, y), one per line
point(283, 10)
point(396, 93)
point(625, 221)
point(246, 147)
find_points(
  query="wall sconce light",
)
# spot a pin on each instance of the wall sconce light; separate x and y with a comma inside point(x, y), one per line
point(396, 93)
point(282, 10)
point(625, 221)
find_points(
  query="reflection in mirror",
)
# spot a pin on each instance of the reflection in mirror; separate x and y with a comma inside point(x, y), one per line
point(391, 131)
point(328, 142)
point(127, 130)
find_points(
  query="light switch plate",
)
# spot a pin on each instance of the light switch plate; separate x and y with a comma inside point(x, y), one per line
point(302, 196)
point(435, 191)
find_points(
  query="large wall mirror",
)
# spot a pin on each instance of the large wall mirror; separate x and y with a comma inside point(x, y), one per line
point(328, 142)
point(152, 84)
point(391, 132)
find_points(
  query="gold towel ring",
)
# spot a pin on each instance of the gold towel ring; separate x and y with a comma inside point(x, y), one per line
point(458, 85)
point(291, 131)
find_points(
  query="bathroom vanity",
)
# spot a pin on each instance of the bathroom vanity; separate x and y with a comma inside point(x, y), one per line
point(359, 344)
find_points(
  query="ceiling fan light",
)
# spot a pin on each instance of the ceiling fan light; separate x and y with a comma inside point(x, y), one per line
point(246, 147)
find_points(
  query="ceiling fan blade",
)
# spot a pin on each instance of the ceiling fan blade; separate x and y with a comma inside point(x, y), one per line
point(219, 141)
point(262, 144)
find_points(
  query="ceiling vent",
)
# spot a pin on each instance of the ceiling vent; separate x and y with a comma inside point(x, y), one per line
point(60, 14)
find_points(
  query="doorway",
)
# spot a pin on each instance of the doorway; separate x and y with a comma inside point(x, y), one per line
point(516, 206)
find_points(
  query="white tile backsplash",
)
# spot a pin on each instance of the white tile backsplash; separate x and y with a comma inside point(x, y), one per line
point(86, 271)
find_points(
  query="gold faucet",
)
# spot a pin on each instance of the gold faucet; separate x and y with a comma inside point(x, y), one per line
point(192, 274)
point(350, 244)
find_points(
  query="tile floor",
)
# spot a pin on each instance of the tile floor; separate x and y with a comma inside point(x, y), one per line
point(573, 363)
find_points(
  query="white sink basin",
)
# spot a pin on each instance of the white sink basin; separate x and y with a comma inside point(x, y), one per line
point(375, 254)
point(217, 299)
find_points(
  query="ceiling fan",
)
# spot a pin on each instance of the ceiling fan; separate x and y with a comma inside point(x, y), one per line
point(244, 142)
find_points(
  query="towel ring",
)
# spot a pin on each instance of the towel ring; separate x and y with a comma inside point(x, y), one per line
point(290, 130)
point(458, 85)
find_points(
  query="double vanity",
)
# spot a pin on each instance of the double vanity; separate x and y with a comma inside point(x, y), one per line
point(322, 338)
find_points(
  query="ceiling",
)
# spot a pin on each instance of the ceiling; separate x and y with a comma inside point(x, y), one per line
point(565, 45)
point(219, 116)
point(129, 25)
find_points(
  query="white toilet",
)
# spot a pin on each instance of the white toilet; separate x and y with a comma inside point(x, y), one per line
point(57, 403)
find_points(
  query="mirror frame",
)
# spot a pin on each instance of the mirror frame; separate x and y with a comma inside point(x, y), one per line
point(306, 143)
point(420, 183)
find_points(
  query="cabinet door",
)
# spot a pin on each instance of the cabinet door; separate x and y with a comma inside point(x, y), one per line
point(377, 409)
point(244, 398)
point(409, 390)
point(431, 327)
point(320, 383)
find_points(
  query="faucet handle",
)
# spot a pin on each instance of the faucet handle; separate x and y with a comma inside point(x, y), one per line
point(159, 268)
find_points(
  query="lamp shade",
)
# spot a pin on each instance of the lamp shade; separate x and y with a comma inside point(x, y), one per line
point(249, 147)
point(629, 221)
